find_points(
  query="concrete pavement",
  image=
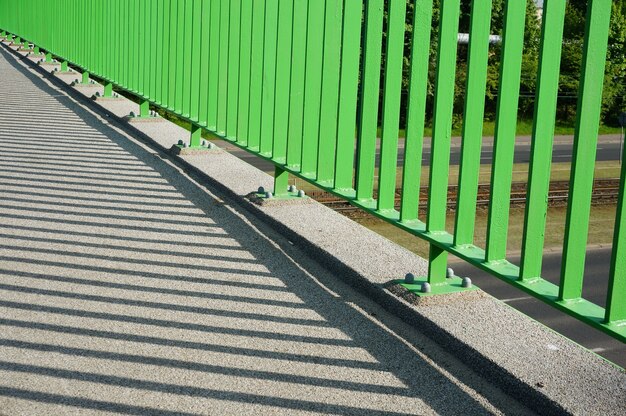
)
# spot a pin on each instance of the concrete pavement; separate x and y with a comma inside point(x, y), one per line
point(125, 287)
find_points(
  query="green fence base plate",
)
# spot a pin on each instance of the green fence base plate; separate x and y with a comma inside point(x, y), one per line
point(138, 118)
point(194, 150)
point(284, 197)
point(451, 285)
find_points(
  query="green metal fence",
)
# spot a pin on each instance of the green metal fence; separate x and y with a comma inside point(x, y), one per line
point(293, 80)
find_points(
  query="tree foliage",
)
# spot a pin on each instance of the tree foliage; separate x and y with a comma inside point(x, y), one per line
point(614, 95)
point(613, 100)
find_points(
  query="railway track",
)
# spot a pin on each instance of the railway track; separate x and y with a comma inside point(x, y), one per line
point(605, 191)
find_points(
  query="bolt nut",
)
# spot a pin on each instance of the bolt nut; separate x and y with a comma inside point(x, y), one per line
point(97, 93)
point(426, 287)
point(132, 114)
point(449, 273)
point(301, 193)
point(261, 190)
point(185, 145)
point(409, 278)
point(180, 142)
point(203, 143)
point(466, 282)
point(209, 145)
point(292, 188)
point(268, 195)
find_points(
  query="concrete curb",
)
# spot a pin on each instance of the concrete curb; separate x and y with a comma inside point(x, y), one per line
point(540, 377)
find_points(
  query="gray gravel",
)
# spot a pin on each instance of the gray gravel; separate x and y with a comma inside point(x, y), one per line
point(127, 287)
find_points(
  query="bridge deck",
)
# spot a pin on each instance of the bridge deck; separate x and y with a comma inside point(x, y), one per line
point(125, 287)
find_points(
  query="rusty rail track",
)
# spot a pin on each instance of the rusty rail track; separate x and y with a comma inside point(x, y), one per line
point(605, 191)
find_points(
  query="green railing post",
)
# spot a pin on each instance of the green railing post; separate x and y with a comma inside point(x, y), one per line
point(196, 136)
point(48, 57)
point(108, 90)
point(85, 78)
point(281, 181)
point(616, 295)
point(442, 127)
point(64, 66)
point(144, 109)
point(36, 50)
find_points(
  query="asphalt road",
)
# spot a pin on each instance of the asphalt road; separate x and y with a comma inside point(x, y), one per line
point(608, 149)
point(594, 290)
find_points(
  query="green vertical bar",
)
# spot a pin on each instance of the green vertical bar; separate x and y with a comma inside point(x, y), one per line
point(391, 105)
point(298, 71)
point(144, 109)
point(616, 294)
point(187, 69)
point(584, 154)
point(233, 69)
point(368, 106)
point(205, 63)
point(170, 69)
point(254, 117)
point(416, 111)
point(108, 90)
point(473, 120)
point(156, 48)
point(442, 130)
point(180, 73)
point(142, 45)
point(187, 60)
point(223, 68)
point(119, 41)
point(330, 93)
point(269, 77)
point(159, 45)
point(163, 28)
point(281, 181)
point(196, 55)
point(195, 138)
point(543, 133)
point(245, 50)
point(105, 30)
point(168, 47)
point(214, 64)
point(136, 24)
point(349, 90)
point(124, 24)
point(283, 81)
point(506, 125)
point(313, 84)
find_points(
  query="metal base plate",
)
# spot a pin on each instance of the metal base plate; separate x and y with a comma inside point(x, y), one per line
point(451, 285)
point(193, 151)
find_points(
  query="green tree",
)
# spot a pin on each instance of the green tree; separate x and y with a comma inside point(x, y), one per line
point(613, 100)
point(614, 97)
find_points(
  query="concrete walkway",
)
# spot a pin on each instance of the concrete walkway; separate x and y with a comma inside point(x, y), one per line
point(127, 288)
